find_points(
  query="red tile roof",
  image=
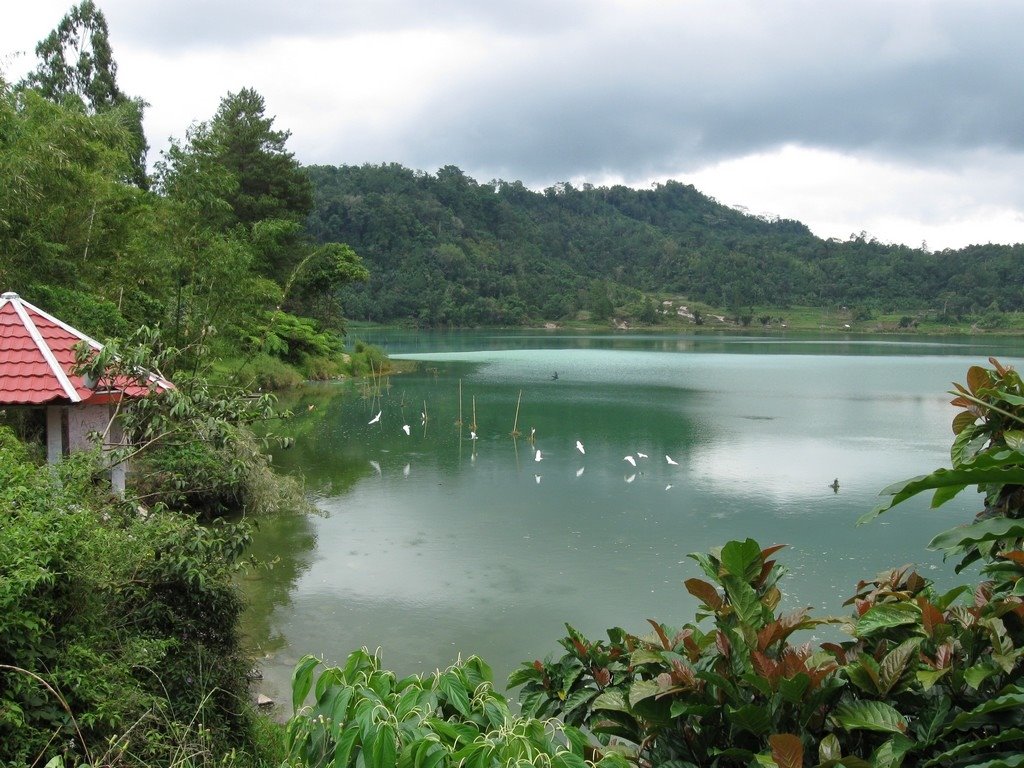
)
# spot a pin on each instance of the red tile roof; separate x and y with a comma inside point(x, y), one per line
point(37, 357)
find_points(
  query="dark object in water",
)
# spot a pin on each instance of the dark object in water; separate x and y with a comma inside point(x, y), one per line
point(835, 485)
point(554, 376)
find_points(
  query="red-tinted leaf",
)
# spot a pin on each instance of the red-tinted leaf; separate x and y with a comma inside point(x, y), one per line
point(978, 379)
point(787, 750)
point(931, 616)
point(962, 420)
point(704, 592)
point(722, 643)
point(665, 642)
point(769, 551)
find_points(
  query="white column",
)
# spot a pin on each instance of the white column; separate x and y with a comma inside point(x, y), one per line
point(54, 434)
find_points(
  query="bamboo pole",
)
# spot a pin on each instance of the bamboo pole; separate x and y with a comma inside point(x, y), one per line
point(515, 423)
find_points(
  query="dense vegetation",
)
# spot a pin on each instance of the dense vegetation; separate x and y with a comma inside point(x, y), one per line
point(445, 249)
point(210, 246)
point(118, 618)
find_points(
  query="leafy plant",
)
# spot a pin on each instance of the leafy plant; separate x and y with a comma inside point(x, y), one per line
point(365, 716)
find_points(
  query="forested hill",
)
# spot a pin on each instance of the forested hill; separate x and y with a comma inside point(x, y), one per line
point(445, 249)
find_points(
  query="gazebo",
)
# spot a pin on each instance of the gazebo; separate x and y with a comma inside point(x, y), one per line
point(37, 361)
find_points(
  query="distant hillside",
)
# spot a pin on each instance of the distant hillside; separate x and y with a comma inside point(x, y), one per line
point(445, 249)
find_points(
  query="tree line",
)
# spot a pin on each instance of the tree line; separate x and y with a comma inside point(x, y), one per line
point(445, 249)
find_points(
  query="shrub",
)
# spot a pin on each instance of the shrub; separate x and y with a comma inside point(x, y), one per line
point(117, 632)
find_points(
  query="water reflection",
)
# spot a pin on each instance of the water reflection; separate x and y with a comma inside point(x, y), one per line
point(434, 544)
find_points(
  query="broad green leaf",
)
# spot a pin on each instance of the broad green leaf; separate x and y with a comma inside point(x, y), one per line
point(979, 715)
point(753, 718)
point(829, 749)
point(869, 716)
point(302, 680)
point(992, 529)
point(895, 662)
point(688, 709)
point(1014, 438)
point(892, 752)
point(792, 689)
point(978, 674)
point(453, 689)
point(1006, 468)
point(524, 674)
point(744, 601)
point(345, 744)
point(975, 745)
point(885, 616)
point(646, 656)
point(642, 689)
point(578, 699)
point(612, 699)
point(929, 677)
point(742, 559)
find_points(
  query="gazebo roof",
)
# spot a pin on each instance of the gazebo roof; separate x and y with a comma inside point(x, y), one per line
point(37, 359)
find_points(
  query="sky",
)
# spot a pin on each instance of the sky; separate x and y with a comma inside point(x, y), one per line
point(900, 119)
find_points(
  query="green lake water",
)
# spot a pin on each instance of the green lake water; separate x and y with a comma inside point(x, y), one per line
point(432, 544)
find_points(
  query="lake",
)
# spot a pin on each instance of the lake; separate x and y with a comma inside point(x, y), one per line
point(433, 544)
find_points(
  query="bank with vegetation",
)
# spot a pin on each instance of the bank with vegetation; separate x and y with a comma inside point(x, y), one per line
point(228, 265)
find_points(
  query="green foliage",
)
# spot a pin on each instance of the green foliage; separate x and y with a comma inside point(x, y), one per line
point(444, 249)
point(117, 632)
point(363, 715)
point(925, 679)
point(191, 443)
point(77, 63)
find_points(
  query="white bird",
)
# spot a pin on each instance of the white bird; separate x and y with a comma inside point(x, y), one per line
point(376, 418)
point(405, 471)
point(405, 428)
point(472, 435)
point(630, 459)
point(631, 478)
point(423, 417)
point(579, 447)
point(537, 478)
point(641, 455)
point(579, 472)
point(668, 486)
point(375, 465)
point(538, 457)
point(671, 461)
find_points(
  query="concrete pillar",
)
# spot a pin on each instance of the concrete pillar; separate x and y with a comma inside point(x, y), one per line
point(54, 434)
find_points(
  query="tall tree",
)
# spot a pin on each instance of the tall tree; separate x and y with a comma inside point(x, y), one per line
point(77, 62)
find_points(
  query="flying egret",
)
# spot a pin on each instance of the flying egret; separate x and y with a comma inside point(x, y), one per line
point(538, 457)
point(668, 486)
point(579, 472)
point(376, 418)
point(631, 478)
point(671, 461)
point(375, 465)
point(641, 455)
point(630, 459)
point(579, 447)
point(405, 428)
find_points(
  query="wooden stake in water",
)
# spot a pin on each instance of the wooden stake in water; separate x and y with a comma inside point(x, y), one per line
point(515, 424)
point(459, 422)
point(474, 414)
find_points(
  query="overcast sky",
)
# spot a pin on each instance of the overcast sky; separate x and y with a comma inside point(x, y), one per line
point(904, 119)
